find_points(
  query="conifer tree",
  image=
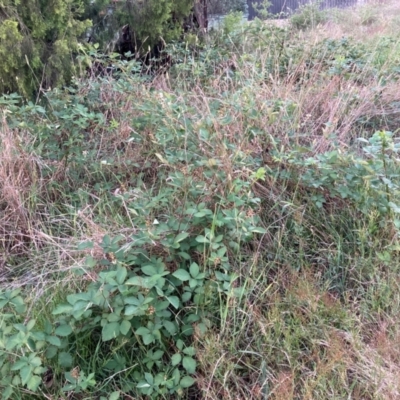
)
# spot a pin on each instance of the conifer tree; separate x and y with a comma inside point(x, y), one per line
point(149, 21)
point(38, 39)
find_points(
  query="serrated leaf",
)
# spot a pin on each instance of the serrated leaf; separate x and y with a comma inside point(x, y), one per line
point(179, 344)
point(19, 364)
point(258, 229)
point(176, 359)
point(51, 352)
point(147, 339)
point(131, 310)
point(18, 301)
point(63, 330)
point(190, 351)
point(181, 236)
point(125, 327)
point(25, 374)
point(186, 297)
point(170, 327)
point(114, 395)
point(90, 262)
point(194, 270)
point(201, 238)
point(65, 359)
point(85, 245)
point(142, 331)
point(157, 355)
point(149, 270)
point(34, 383)
point(7, 393)
point(110, 331)
point(137, 281)
point(54, 340)
point(121, 275)
point(35, 361)
point(182, 275)
point(62, 309)
point(48, 327)
point(186, 382)
point(189, 364)
point(174, 300)
point(30, 324)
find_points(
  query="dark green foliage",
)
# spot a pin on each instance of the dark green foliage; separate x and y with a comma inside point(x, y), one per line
point(37, 43)
point(151, 23)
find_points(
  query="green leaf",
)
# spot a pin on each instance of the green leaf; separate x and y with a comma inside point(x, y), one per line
point(18, 301)
point(110, 331)
point(121, 275)
point(63, 330)
point(21, 327)
point(30, 324)
point(149, 378)
point(8, 391)
point(31, 344)
point(48, 327)
point(34, 383)
point(54, 340)
point(143, 385)
point(147, 339)
point(142, 331)
point(131, 310)
point(51, 352)
point(25, 374)
point(189, 364)
point(182, 275)
point(19, 364)
point(85, 245)
point(174, 300)
point(258, 229)
point(194, 270)
point(35, 361)
point(190, 351)
point(181, 236)
point(179, 344)
point(149, 270)
point(62, 309)
point(157, 355)
point(201, 239)
point(137, 281)
point(65, 359)
point(186, 297)
point(186, 382)
point(170, 327)
point(125, 327)
point(176, 359)
point(114, 395)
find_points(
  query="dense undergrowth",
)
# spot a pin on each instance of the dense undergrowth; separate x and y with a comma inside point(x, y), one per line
point(228, 229)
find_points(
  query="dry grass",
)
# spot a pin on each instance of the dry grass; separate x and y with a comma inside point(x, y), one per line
point(295, 335)
point(19, 182)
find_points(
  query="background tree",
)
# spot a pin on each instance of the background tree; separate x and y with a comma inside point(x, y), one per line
point(38, 39)
point(150, 22)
